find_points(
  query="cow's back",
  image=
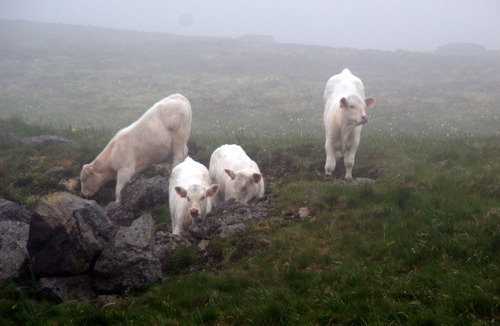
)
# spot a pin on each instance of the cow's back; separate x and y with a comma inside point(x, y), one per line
point(343, 84)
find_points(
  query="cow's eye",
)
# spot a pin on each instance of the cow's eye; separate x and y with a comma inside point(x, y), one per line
point(203, 198)
point(188, 199)
point(352, 107)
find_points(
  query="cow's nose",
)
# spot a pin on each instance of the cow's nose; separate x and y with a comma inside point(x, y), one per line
point(364, 117)
point(193, 211)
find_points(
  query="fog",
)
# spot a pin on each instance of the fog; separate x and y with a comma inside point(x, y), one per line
point(361, 24)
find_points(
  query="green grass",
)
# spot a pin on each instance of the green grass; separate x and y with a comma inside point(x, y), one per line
point(419, 247)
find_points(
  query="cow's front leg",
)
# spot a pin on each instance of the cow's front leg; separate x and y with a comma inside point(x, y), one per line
point(330, 157)
point(123, 176)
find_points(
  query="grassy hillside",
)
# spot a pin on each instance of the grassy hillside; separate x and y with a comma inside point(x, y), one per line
point(418, 247)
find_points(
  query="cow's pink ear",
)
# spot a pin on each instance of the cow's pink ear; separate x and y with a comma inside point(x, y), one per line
point(370, 102)
point(181, 192)
point(212, 190)
point(89, 169)
point(230, 174)
point(343, 103)
point(256, 177)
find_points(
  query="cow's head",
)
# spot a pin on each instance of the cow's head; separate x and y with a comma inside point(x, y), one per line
point(197, 199)
point(354, 107)
point(91, 180)
point(245, 183)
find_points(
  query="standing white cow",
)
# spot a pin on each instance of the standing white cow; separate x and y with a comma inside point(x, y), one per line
point(344, 116)
point(190, 194)
point(238, 176)
point(162, 130)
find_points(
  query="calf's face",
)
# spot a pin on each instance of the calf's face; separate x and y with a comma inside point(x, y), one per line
point(197, 198)
point(90, 180)
point(245, 185)
point(353, 108)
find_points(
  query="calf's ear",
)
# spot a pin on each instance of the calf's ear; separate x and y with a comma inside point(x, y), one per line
point(212, 190)
point(230, 174)
point(256, 177)
point(181, 192)
point(89, 169)
point(343, 103)
point(370, 102)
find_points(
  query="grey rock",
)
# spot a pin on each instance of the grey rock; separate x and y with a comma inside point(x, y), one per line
point(13, 212)
point(6, 137)
point(56, 170)
point(67, 234)
point(130, 262)
point(144, 193)
point(67, 288)
point(232, 230)
point(220, 221)
point(13, 252)
point(118, 215)
point(46, 140)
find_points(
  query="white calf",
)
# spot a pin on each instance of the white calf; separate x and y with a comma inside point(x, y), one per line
point(161, 131)
point(190, 194)
point(344, 117)
point(238, 176)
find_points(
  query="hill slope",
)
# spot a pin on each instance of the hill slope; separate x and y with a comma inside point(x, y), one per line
point(86, 76)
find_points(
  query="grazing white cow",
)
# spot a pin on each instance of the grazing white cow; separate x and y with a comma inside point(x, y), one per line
point(161, 131)
point(344, 116)
point(190, 194)
point(238, 176)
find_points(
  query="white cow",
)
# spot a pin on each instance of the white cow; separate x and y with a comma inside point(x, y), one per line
point(238, 176)
point(161, 131)
point(344, 116)
point(190, 194)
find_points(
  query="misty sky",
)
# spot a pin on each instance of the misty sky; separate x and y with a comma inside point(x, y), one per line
point(420, 25)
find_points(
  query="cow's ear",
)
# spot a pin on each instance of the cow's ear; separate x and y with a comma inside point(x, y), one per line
point(230, 174)
point(343, 103)
point(212, 190)
point(181, 192)
point(256, 177)
point(370, 102)
point(88, 168)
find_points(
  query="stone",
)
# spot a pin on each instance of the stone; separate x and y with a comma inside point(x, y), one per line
point(67, 234)
point(13, 252)
point(141, 194)
point(130, 262)
point(6, 137)
point(66, 288)
point(46, 140)
point(13, 212)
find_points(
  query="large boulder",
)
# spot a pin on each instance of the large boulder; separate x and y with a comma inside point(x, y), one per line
point(67, 235)
point(130, 261)
point(144, 193)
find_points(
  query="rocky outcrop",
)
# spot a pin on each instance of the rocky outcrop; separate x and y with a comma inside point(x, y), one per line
point(76, 249)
